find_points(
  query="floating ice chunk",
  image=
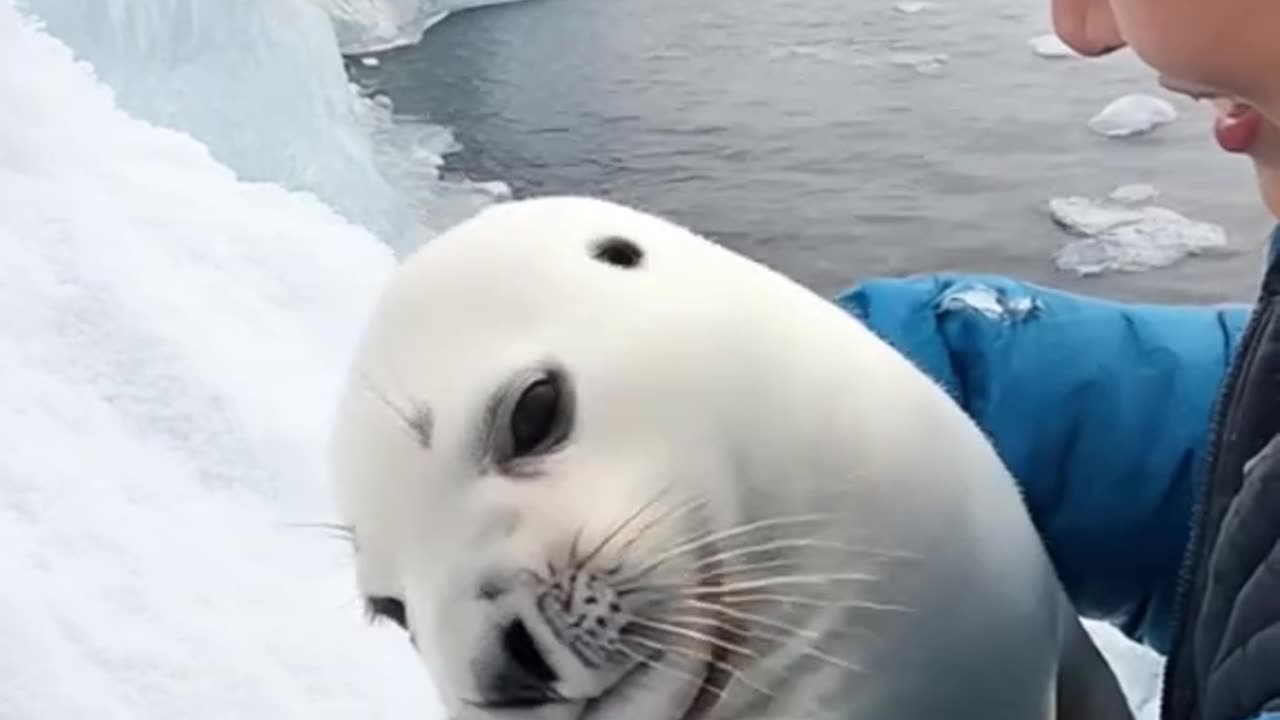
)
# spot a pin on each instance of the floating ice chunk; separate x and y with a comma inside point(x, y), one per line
point(913, 7)
point(925, 63)
point(1124, 238)
point(1133, 194)
point(1133, 115)
point(1050, 46)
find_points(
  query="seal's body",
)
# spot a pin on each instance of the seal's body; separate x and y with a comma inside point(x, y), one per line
point(601, 467)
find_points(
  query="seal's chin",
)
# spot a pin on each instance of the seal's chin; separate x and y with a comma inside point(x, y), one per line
point(598, 707)
point(633, 695)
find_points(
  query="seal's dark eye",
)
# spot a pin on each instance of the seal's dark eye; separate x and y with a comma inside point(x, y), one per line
point(618, 251)
point(534, 417)
point(387, 608)
point(537, 419)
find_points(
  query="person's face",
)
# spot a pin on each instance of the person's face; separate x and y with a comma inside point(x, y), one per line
point(1224, 50)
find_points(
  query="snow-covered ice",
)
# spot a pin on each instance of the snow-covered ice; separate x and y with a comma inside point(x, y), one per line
point(1122, 235)
point(260, 83)
point(174, 335)
point(1133, 114)
point(373, 25)
point(1050, 46)
point(172, 342)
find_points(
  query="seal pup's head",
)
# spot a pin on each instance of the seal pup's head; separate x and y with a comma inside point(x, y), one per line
point(543, 455)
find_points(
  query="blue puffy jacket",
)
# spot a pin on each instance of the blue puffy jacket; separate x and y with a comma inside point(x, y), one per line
point(1100, 409)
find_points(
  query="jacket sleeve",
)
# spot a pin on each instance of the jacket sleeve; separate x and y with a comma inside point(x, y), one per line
point(1100, 409)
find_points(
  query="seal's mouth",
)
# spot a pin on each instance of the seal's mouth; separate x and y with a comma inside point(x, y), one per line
point(547, 663)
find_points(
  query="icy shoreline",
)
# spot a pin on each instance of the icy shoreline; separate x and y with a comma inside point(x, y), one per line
point(369, 26)
point(176, 328)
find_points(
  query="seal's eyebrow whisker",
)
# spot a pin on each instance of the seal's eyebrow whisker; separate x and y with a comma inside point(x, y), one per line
point(334, 527)
point(335, 530)
point(420, 421)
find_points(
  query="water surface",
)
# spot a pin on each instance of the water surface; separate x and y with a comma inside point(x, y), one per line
point(830, 139)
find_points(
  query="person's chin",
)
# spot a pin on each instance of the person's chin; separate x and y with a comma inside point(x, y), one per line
point(1269, 185)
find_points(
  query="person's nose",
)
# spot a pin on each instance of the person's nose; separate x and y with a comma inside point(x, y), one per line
point(1087, 26)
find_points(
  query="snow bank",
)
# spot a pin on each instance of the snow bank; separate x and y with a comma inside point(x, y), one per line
point(173, 339)
point(373, 25)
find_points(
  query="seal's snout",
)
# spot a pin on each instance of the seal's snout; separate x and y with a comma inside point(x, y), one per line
point(514, 671)
point(541, 647)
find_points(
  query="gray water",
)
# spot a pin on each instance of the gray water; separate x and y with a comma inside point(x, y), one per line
point(800, 133)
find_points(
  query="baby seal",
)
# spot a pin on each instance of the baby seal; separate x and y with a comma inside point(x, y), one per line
point(600, 467)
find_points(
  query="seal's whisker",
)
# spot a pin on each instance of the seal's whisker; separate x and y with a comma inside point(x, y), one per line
point(703, 579)
point(686, 590)
point(799, 543)
point(749, 617)
point(731, 670)
point(691, 634)
point(658, 665)
point(810, 602)
point(571, 559)
point(808, 650)
point(670, 513)
point(700, 541)
point(744, 568)
point(619, 527)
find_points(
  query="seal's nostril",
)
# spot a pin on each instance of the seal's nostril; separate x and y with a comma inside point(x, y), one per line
point(522, 650)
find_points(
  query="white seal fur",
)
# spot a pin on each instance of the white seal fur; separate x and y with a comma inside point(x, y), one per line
point(602, 467)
